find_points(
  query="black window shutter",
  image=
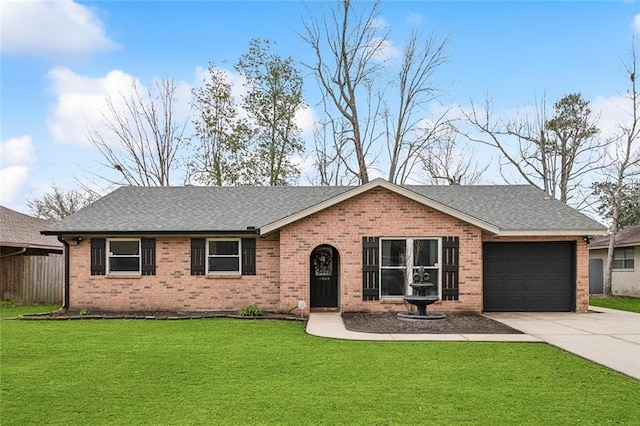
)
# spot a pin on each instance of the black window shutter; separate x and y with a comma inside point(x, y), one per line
point(248, 256)
point(370, 268)
point(98, 256)
point(198, 253)
point(148, 246)
point(450, 259)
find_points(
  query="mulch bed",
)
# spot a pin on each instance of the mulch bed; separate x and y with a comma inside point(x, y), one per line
point(467, 323)
point(153, 315)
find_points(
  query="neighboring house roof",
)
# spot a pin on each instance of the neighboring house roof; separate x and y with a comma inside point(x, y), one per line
point(21, 230)
point(627, 237)
point(503, 210)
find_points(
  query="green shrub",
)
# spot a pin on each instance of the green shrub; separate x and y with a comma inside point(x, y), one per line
point(250, 311)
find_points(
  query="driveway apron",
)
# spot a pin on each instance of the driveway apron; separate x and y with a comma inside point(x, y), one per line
point(605, 336)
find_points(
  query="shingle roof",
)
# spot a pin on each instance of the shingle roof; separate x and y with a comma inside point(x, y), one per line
point(627, 237)
point(21, 230)
point(192, 209)
point(510, 207)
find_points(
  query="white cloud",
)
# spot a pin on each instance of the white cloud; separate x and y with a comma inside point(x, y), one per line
point(414, 19)
point(236, 80)
point(13, 182)
point(386, 50)
point(613, 111)
point(17, 151)
point(79, 102)
point(616, 112)
point(16, 155)
point(636, 23)
point(379, 24)
point(306, 119)
point(51, 29)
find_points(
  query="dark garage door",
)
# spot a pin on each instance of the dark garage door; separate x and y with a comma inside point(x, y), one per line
point(528, 277)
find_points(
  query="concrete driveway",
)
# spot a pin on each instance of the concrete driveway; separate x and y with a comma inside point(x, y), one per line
point(605, 336)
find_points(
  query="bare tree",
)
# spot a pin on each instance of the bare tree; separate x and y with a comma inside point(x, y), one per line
point(623, 174)
point(406, 137)
point(553, 153)
point(346, 46)
point(141, 138)
point(56, 204)
point(380, 101)
point(445, 162)
point(333, 154)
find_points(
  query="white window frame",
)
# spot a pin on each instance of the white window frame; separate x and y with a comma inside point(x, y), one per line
point(408, 267)
point(110, 255)
point(239, 256)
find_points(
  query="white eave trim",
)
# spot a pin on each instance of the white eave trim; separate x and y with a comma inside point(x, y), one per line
point(391, 187)
point(550, 232)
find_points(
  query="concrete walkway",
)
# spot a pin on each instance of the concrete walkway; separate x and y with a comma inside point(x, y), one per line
point(605, 336)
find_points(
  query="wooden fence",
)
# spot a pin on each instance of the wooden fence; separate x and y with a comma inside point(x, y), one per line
point(32, 279)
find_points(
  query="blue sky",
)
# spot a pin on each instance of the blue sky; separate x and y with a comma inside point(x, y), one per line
point(59, 57)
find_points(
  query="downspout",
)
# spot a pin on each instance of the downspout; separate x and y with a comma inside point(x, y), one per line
point(65, 302)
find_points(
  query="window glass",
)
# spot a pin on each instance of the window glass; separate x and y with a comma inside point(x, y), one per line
point(124, 264)
point(425, 252)
point(398, 271)
point(224, 256)
point(394, 253)
point(393, 282)
point(124, 248)
point(223, 248)
point(124, 256)
point(224, 264)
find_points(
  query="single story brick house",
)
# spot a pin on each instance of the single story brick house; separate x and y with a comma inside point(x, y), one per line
point(625, 274)
point(354, 248)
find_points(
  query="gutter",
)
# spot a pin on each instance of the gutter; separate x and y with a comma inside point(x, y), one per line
point(14, 254)
point(251, 230)
point(65, 302)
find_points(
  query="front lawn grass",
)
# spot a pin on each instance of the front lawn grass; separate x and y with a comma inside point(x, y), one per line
point(225, 371)
point(11, 309)
point(630, 304)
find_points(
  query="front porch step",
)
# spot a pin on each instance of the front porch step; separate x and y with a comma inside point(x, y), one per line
point(325, 309)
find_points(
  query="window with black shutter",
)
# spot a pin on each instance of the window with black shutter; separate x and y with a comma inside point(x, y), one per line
point(391, 265)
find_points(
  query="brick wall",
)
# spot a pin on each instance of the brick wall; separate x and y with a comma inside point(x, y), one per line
point(376, 213)
point(173, 287)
